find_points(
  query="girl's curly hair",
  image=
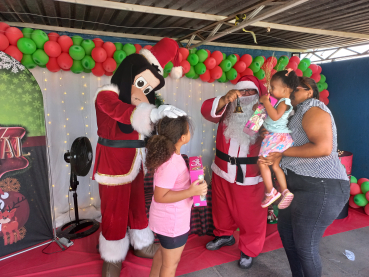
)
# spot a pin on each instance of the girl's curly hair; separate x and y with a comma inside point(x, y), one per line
point(161, 147)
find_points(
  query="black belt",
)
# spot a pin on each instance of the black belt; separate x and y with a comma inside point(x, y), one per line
point(237, 161)
point(121, 143)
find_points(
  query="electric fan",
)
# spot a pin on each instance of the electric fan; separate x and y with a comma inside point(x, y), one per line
point(80, 159)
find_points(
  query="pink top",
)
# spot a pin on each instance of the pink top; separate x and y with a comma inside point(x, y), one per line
point(171, 219)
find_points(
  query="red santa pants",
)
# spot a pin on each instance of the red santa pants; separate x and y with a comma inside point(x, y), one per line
point(123, 206)
point(236, 206)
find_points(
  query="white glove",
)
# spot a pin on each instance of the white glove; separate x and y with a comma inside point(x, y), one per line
point(165, 110)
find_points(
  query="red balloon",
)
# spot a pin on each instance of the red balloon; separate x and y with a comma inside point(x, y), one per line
point(324, 100)
point(184, 52)
point(109, 48)
point(352, 203)
point(206, 76)
point(218, 56)
point(216, 72)
point(319, 69)
point(209, 53)
point(65, 61)
point(316, 77)
point(14, 52)
point(4, 42)
point(98, 42)
point(247, 59)
point(367, 196)
point(267, 66)
point(235, 81)
point(238, 57)
point(362, 180)
point(52, 49)
point(186, 66)
point(211, 80)
point(65, 43)
point(354, 189)
point(66, 69)
point(180, 57)
point(314, 68)
point(138, 48)
point(109, 65)
point(13, 34)
point(272, 60)
point(240, 66)
point(366, 209)
point(295, 59)
point(264, 58)
point(53, 36)
point(247, 71)
point(210, 63)
point(99, 54)
point(3, 27)
point(148, 47)
point(109, 73)
point(292, 65)
point(299, 72)
point(53, 65)
point(273, 72)
point(98, 70)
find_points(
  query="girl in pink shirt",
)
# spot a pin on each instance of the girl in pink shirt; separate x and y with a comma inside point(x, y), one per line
point(170, 210)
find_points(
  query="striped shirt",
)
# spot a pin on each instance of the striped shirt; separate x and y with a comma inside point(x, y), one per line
point(328, 167)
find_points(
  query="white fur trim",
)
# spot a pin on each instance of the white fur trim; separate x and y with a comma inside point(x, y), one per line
point(246, 85)
point(140, 119)
point(215, 106)
point(111, 87)
point(113, 250)
point(141, 238)
point(177, 72)
point(151, 59)
point(121, 179)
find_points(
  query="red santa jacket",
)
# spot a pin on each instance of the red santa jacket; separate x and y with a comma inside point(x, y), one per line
point(119, 166)
point(225, 169)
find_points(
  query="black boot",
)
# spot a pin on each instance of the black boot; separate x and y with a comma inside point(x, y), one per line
point(219, 242)
point(245, 261)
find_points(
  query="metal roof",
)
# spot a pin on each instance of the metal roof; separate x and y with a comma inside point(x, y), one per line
point(336, 15)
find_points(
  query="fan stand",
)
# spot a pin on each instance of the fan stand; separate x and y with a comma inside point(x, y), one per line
point(71, 229)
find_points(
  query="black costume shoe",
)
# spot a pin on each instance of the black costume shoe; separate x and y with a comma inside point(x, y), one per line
point(245, 261)
point(219, 242)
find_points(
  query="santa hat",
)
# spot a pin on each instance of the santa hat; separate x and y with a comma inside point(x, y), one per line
point(251, 82)
point(160, 54)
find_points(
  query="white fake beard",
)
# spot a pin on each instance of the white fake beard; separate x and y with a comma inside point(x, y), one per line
point(235, 122)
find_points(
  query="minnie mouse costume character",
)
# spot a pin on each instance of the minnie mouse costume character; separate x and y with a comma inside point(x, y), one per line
point(126, 114)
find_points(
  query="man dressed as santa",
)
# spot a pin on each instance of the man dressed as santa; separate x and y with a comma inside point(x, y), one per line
point(237, 186)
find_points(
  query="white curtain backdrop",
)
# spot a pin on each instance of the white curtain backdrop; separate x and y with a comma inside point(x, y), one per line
point(70, 113)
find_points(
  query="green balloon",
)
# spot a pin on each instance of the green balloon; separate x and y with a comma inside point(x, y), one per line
point(42, 66)
point(86, 70)
point(118, 46)
point(165, 75)
point(307, 61)
point(233, 59)
point(260, 60)
point(119, 56)
point(77, 40)
point(224, 56)
point(202, 54)
point(223, 78)
point(231, 74)
point(27, 32)
point(282, 60)
point(168, 67)
point(360, 200)
point(190, 74)
point(88, 45)
point(40, 57)
point(280, 66)
point(196, 76)
point(325, 85)
point(88, 62)
point(308, 72)
point(225, 65)
point(39, 37)
point(129, 49)
point(260, 74)
point(28, 62)
point(365, 187)
point(77, 52)
point(77, 67)
point(26, 46)
point(322, 78)
point(303, 66)
point(320, 87)
point(193, 59)
point(200, 68)
point(193, 51)
point(254, 66)
point(353, 180)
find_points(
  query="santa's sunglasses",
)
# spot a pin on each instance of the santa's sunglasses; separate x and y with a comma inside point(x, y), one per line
point(247, 92)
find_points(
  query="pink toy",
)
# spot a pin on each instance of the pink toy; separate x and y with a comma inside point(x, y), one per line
point(253, 125)
point(197, 173)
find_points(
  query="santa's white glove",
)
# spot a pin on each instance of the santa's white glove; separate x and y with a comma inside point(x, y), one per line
point(165, 110)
